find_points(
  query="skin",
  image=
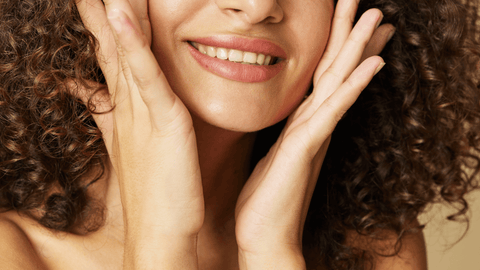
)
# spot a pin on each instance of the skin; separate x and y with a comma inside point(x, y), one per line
point(178, 192)
point(209, 96)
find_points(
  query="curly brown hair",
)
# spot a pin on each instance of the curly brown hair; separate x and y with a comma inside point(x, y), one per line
point(49, 141)
point(411, 138)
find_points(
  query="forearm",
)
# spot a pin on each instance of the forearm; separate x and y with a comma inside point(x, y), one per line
point(274, 259)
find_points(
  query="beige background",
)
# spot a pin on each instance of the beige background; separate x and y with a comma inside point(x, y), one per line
point(441, 235)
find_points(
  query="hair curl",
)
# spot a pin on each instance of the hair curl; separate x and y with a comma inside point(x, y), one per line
point(411, 138)
point(49, 141)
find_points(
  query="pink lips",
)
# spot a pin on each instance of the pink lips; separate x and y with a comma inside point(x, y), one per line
point(236, 71)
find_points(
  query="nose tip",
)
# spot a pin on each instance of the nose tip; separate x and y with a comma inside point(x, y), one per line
point(258, 11)
point(253, 11)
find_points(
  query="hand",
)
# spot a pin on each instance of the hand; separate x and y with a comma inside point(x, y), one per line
point(152, 143)
point(272, 207)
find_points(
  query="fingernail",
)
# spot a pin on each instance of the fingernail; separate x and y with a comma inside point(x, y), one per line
point(380, 66)
point(390, 35)
point(379, 21)
point(114, 17)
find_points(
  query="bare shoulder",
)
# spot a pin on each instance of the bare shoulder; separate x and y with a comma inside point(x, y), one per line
point(16, 250)
point(412, 254)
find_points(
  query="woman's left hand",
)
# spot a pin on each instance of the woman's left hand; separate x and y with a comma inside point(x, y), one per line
point(272, 207)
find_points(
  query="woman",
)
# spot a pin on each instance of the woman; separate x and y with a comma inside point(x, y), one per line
point(167, 172)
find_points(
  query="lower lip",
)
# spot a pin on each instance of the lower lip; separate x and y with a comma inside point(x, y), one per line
point(236, 71)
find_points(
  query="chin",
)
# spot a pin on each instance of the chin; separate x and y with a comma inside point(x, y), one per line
point(243, 116)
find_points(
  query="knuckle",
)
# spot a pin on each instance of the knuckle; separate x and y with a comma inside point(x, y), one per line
point(337, 113)
point(329, 55)
point(147, 80)
point(134, 45)
point(332, 76)
point(359, 39)
point(350, 83)
point(331, 72)
point(357, 82)
point(340, 17)
point(328, 104)
point(345, 16)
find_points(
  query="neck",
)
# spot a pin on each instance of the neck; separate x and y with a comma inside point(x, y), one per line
point(224, 158)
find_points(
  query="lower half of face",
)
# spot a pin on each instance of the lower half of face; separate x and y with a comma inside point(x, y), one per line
point(240, 65)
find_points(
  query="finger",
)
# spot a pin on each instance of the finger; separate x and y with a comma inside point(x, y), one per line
point(342, 24)
point(124, 6)
point(151, 84)
point(95, 20)
point(380, 38)
point(326, 117)
point(140, 8)
point(349, 56)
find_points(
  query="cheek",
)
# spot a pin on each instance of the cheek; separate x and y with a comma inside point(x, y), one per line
point(305, 32)
point(313, 33)
point(172, 8)
point(309, 34)
point(170, 20)
point(167, 16)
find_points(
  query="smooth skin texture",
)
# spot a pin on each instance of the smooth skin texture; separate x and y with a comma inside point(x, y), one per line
point(179, 164)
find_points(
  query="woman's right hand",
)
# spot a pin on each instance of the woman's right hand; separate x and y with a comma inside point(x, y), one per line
point(151, 144)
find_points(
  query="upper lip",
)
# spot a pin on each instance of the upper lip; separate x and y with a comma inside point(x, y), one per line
point(243, 44)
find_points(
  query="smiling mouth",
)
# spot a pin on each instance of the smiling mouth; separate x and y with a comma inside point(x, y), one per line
point(236, 56)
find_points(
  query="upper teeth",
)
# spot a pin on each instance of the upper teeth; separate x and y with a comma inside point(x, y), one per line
point(234, 55)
